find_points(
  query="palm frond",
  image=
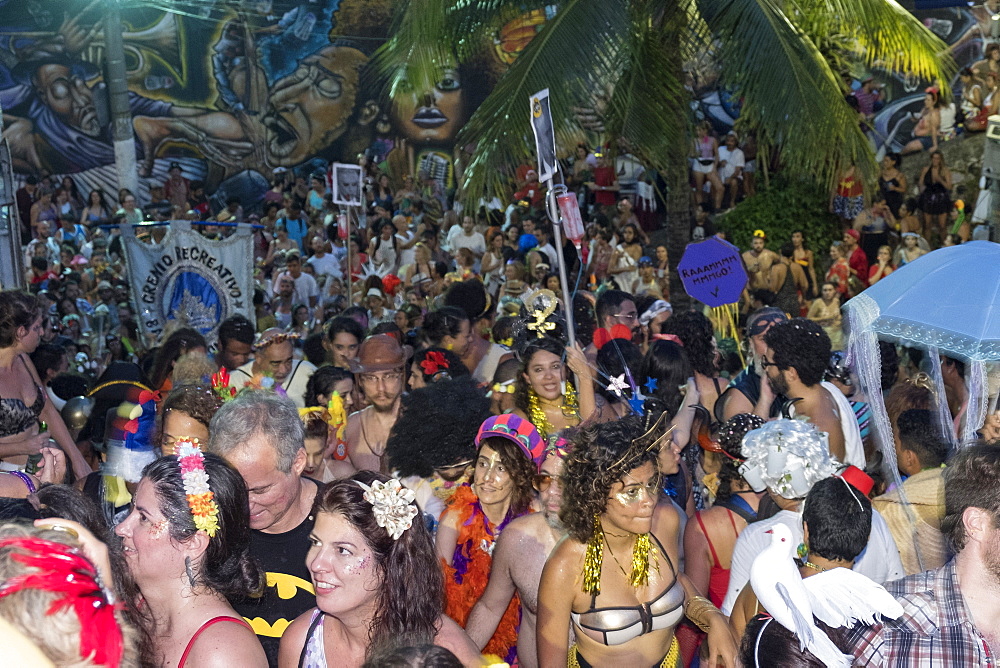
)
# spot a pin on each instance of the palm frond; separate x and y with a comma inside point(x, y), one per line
point(576, 55)
point(648, 110)
point(889, 36)
point(790, 95)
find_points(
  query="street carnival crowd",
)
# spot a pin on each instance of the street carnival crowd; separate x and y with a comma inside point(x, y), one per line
point(402, 461)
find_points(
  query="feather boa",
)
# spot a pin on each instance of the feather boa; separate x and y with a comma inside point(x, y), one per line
point(466, 580)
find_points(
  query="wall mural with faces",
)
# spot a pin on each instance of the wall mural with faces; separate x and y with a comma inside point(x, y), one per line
point(230, 91)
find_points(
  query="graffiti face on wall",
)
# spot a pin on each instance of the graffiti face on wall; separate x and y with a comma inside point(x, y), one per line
point(226, 90)
point(311, 107)
point(431, 114)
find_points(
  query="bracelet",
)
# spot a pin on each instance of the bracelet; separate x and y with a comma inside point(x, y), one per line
point(697, 609)
point(26, 479)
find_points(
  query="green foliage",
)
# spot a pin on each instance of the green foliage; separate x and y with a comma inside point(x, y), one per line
point(787, 205)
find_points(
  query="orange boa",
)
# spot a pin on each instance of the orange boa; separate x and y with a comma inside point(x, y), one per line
point(462, 591)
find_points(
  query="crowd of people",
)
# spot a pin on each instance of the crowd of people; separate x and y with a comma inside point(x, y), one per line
point(467, 487)
point(416, 453)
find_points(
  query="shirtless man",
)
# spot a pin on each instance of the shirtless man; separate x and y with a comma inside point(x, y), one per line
point(518, 558)
point(759, 261)
point(380, 371)
point(797, 354)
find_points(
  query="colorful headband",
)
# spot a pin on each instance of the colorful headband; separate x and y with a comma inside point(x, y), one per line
point(201, 500)
point(506, 387)
point(392, 504)
point(434, 363)
point(64, 571)
point(558, 446)
point(262, 343)
point(673, 338)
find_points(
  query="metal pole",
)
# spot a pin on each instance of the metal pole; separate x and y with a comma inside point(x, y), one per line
point(121, 113)
point(11, 269)
point(553, 211)
point(350, 259)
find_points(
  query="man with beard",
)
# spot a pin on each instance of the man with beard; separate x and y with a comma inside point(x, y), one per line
point(379, 369)
point(274, 358)
point(518, 558)
point(744, 393)
point(951, 615)
point(795, 359)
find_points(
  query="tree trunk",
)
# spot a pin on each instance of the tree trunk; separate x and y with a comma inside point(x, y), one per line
point(677, 226)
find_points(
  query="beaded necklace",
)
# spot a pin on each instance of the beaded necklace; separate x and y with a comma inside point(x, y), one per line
point(570, 408)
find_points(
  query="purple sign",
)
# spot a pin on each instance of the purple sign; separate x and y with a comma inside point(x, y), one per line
point(712, 272)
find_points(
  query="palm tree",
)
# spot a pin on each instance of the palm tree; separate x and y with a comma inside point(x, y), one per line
point(623, 62)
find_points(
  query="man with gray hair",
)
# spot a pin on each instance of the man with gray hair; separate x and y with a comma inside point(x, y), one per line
point(260, 434)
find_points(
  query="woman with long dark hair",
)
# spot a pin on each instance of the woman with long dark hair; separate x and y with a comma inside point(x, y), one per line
point(377, 584)
point(182, 341)
point(543, 392)
point(24, 403)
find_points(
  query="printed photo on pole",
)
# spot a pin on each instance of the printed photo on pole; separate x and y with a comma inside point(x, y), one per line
point(346, 184)
point(545, 137)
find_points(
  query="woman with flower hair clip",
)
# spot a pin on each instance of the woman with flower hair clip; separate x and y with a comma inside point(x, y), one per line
point(431, 365)
point(378, 587)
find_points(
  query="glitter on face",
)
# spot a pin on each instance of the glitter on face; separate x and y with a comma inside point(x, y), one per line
point(157, 529)
point(360, 565)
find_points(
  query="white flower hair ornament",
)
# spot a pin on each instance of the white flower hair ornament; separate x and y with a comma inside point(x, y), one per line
point(392, 504)
point(788, 457)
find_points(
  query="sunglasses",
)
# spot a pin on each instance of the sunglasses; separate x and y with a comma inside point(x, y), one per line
point(764, 363)
point(542, 481)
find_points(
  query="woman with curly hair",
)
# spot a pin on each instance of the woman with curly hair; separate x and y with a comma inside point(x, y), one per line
point(544, 395)
point(615, 578)
point(431, 365)
point(377, 586)
point(510, 452)
point(695, 333)
point(710, 539)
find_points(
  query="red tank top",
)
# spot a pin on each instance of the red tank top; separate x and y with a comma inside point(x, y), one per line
point(213, 620)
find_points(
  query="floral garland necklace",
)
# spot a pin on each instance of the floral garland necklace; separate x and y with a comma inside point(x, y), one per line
point(570, 408)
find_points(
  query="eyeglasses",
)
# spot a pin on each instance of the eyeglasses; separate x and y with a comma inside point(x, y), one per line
point(631, 317)
point(543, 481)
point(384, 378)
point(764, 363)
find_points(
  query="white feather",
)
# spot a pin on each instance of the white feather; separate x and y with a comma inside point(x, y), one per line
point(783, 593)
point(841, 597)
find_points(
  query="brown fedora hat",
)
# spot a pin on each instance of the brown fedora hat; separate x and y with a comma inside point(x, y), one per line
point(380, 352)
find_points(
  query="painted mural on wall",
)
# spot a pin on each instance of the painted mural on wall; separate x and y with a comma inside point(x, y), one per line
point(229, 90)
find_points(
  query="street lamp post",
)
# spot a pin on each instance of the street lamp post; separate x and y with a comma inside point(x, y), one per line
point(122, 135)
